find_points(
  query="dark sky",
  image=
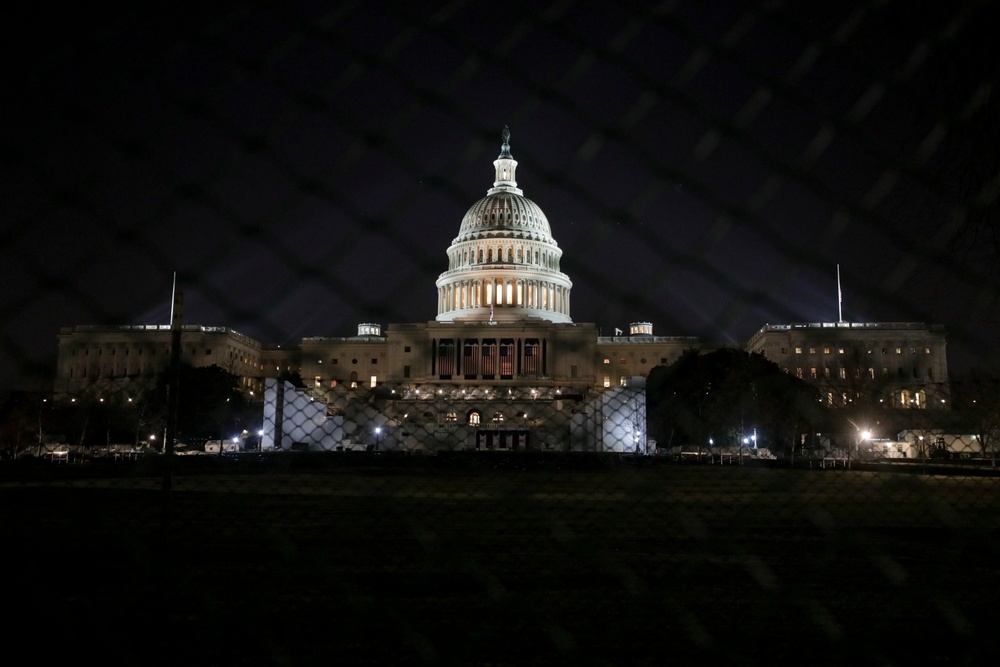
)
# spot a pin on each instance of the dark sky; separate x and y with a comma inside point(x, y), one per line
point(704, 165)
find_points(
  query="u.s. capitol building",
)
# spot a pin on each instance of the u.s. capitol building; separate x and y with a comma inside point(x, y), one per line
point(502, 365)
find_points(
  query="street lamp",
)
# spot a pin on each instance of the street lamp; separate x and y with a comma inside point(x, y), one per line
point(863, 435)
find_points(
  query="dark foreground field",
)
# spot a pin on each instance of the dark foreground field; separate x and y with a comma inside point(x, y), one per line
point(471, 564)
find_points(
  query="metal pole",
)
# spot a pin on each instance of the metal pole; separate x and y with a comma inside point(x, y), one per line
point(173, 389)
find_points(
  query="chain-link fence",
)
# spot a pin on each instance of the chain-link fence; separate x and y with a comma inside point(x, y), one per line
point(501, 491)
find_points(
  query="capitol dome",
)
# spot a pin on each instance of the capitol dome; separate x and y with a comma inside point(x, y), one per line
point(504, 263)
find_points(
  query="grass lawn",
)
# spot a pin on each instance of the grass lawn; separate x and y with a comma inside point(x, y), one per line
point(687, 564)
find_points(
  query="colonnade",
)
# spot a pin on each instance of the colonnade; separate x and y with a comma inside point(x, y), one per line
point(536, 294)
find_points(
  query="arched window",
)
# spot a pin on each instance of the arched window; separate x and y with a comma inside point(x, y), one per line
point(498, 416)
point(474, 418)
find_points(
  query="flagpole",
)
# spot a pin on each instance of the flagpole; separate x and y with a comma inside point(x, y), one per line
point(840, 299)
point(173, 297)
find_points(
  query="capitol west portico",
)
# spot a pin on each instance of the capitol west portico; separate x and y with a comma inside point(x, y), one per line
point(503, 365)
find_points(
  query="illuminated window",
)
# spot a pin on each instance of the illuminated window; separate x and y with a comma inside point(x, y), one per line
point(798, 373)
point(798, 350)
point(927, 350)
point(498, 416)
point(843, 373)
point(840, 350)
point(812, 372)
point(899, 350)
point(318, 381)
point(829, 398)
point(374, 380)
point(607, 360)
point(871, 373)
point(607, 380)
point(812, 350)
point(451, 417)
point(826, 350)
point(474, 418)
point(621, 380)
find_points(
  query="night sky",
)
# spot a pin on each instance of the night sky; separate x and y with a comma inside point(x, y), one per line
point(704, 165)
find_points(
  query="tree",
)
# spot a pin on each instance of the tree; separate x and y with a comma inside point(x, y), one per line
point(724, 395)
point(979, 397)
point(211, 405)
point(25, 421)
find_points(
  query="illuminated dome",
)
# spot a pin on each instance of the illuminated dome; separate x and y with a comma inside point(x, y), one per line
point(504, 263)
point(505, 213)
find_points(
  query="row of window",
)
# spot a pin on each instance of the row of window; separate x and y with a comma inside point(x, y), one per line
point(334, 361)
point(508, 255)
point(903, 398)
point(166, 350)
point(841, 350)
point(826, 372)
point(623, 360)
point(475, 417)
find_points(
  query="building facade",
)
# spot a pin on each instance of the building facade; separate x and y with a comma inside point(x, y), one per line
point(898, 364)
point(91, 357)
